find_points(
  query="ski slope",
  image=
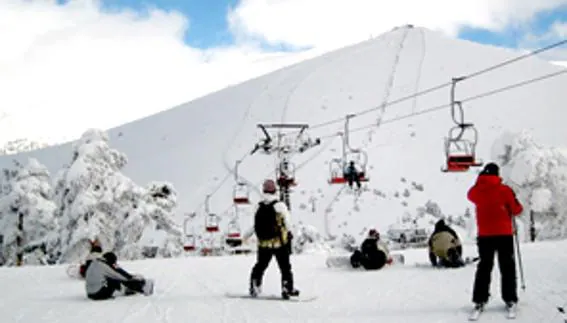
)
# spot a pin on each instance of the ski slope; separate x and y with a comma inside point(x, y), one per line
point(195, 145)
point(191, 290)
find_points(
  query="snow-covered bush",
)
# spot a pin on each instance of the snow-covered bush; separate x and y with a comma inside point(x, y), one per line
point(27, 224)
point(308, 240)
point(538, 175)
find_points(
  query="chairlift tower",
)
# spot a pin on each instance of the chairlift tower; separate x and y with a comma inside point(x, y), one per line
point(285, 147)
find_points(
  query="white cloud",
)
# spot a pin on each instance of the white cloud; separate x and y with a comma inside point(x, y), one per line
point(65, 68)
point(338, 22)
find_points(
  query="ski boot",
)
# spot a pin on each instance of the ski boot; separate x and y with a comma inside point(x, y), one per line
point(255, 288)
point(288, 290)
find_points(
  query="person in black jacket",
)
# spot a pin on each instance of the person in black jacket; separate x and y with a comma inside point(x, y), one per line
point(372, 255)
point(445, 248)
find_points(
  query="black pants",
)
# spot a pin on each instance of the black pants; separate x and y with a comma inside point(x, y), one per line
point(264, 256)
point(372, 261)
point(353, 178)
point(487, 247)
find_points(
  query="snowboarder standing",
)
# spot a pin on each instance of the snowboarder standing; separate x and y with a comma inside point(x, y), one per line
point(271, 226)
point(373, 254)
point(104, 277)
point(496, 204)
point(445, 248)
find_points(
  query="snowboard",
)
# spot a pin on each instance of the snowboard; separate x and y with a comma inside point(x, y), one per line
point(468, 261)
point(73, 271)
point(272, 297)
point(343, 261)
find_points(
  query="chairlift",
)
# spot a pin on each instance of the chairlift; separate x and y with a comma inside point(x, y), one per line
point(190, 239)
point(460, 145)
point(233, 234)
point(286, 173)
point(211, 219)
point(241, 191)
point(212, 223)
point(338, 166)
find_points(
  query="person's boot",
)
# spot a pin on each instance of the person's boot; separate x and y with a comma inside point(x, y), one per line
point(288, 290)
point(255, 288)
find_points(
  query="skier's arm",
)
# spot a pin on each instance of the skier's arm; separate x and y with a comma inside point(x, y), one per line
point(110, 272)
point(282, 209)
point(514, 206)
point(248, 233)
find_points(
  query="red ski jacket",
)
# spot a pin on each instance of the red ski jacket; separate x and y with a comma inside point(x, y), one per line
point(496, 203)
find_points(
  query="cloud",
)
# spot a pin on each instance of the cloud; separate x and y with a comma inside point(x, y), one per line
point(313, 23)
point(64, 68)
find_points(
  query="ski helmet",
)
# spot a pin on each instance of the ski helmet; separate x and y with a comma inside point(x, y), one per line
point(374, 233)
point(269, 186)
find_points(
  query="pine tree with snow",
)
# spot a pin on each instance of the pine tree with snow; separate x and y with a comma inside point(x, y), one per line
point(96, 201)
point(93, 197)
point(27, 223)
point(160, 233)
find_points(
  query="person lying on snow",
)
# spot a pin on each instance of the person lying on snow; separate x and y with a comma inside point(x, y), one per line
point(96, 252)
point(373, 254)
point(445, 248)
point(104, 277)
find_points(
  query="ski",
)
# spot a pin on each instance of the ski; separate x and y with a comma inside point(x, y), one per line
point(272, 297)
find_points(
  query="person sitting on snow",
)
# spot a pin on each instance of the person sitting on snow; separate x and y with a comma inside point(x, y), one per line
point(373, 254)
point(96, 252)
point(351, 174)
point(445, 248)
point(104, 277)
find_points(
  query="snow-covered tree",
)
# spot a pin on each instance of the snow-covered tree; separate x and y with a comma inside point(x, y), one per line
point(96, 201)
point(27, 223)
point(539, 177)
point(153, 224)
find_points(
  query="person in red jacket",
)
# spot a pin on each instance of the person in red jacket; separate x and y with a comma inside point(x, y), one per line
point(496, 205)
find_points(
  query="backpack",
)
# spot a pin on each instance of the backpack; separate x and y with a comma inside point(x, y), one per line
point(265, 221)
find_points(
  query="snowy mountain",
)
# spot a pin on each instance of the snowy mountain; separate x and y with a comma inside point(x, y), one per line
point(195, 146)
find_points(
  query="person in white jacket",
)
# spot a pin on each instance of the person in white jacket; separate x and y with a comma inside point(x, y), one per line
point(272, 228)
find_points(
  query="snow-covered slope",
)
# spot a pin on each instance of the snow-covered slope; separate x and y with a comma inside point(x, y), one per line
point(195, 144)
point(192, 289)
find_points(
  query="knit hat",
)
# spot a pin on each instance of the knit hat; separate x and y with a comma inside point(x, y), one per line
point(269, 186)
point(490, 169)
point(110, 258)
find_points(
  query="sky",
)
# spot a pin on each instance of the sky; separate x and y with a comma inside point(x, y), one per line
point(101, 63)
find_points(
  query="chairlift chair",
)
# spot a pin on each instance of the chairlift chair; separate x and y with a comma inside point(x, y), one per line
point(233, 234)
point(241, 194)
point(212, 223)
point(190, 240)
point(460, 150)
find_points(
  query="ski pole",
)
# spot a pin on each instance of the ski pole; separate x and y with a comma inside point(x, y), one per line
point(519, 254)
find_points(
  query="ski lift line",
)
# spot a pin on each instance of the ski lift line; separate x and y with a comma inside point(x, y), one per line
point(469, 99)
point(444, 85)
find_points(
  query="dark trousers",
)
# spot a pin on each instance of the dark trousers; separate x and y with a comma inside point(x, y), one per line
point(374, 261)
point(353, 177)
point(487, 247)
point(263, 258)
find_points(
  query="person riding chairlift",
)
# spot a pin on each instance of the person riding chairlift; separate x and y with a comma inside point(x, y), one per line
point(351, 174)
